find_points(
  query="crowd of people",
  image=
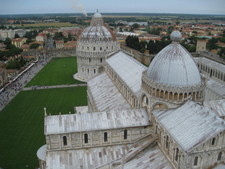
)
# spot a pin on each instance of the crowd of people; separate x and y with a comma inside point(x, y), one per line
point(18, 82)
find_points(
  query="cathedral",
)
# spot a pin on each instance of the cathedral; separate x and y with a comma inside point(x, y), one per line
point(169, 115)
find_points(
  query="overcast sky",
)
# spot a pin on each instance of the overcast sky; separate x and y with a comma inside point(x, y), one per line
point(141, 6)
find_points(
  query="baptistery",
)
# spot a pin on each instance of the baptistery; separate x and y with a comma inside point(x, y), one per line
point(95, 44)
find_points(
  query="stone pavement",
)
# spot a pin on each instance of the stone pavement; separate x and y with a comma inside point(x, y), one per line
point(11, 90)
point(52, 87)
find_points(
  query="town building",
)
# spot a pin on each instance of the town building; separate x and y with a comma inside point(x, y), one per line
point(18, 42)
point(141, 117)
point(41, 37)
point(201, 45)
point(7, 34)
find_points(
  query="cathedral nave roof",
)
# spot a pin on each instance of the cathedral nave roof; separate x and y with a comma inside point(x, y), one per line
point(128, 69)
point(113, 119)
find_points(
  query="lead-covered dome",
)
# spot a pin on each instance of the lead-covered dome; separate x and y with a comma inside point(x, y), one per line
point(174, 65)
point(172, 76)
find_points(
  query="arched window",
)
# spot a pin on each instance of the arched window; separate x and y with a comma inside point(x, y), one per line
point(125, 134)
point(146, 101)
point(213, 141)
point(89, 59)
point(177, 154)
point(167, 142)
point(105, 137)
point(101, 60)
point(196, 161)
point(94, 70)
point(219, 156)
point(64, 140)
point(85, 138)
point(93, 48)
point(100, 48)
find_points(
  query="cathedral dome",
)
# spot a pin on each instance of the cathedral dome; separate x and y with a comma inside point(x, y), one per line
point(174, 65)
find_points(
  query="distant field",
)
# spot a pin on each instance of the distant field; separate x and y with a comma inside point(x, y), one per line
point(22, 123)
point(57, 72)
point(57, 24)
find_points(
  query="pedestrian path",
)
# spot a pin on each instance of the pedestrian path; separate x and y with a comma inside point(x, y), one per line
point(52, 87)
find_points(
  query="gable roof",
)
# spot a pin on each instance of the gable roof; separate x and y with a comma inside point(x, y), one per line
point(105, 94)
point(96, 121)
point(128, 69)
point(190, 125)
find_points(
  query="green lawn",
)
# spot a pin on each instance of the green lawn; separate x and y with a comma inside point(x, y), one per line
point(57, 72)
point(21, 123)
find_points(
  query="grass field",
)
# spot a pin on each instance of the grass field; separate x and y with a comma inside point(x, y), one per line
point(57, 72)
point(22, 127)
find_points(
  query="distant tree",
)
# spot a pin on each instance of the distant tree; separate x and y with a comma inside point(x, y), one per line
point(222, 53)
point(133, 42)
point(34, 46)
point(135, 26)
point(7, 42)
point(58, 36)
point(15, 63)
point(31, 35)
point(212, 44)
point(17, 36)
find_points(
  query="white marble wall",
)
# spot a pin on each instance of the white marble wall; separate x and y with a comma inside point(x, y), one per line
point(95, 138)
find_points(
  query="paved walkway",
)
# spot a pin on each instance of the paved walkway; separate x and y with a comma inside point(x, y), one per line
point(52, 87)
point(15, 87)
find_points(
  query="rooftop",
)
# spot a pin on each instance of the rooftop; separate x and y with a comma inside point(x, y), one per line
point(85, 158)
point(131, 74)
point(105, 94)
point(88, 121)
point(217, 106)
point(150, 158)
point(190, 124)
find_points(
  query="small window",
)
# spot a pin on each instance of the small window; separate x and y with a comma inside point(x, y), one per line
point(177, 154)
point(219, 156)
point(100, 48)
point(94, 70)
point(167, 141)
point(64, 140)
point(87, 48)
point(125, 134)
point(101, 60)
point(105, 137)
point(85, 138)
point(196, 161)
point(93, 48)
point(213, 141)
point(89, 59)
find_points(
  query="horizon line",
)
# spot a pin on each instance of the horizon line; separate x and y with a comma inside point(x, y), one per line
point(114, 13)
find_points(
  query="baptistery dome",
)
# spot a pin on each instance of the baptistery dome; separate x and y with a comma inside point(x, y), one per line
point(97, 31)
point(95, 43)
point(173, 76)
